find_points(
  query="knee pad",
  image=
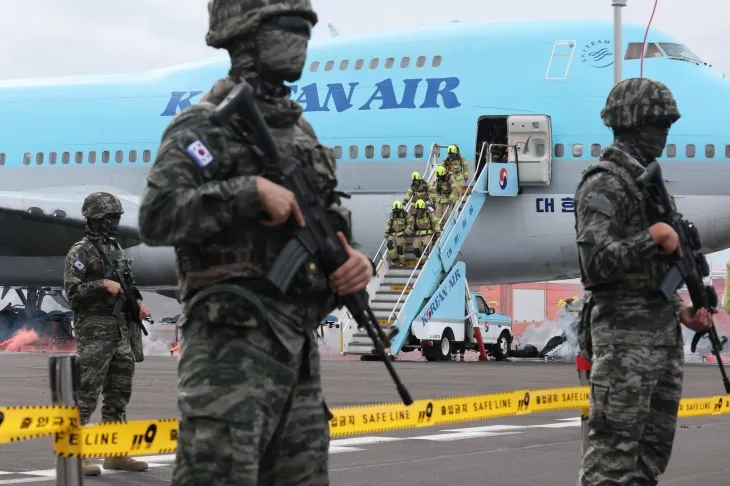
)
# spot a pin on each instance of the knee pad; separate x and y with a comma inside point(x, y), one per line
point(400, 249)
point(390, 244)
point(417, 252)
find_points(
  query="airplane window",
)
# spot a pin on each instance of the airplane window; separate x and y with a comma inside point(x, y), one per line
point(359, 63)
point(539, 147)
point(79, 158)
point(118, 156)
point(369, 151)
point(709, 151)
point(146, 156)
point(405, 62)
point(52, 158)
point(633, 51)
point(595, 150)
point(418, 151)
point(653, 51)
point(690, 150)
point(678, 51)
point(329, 65)
point(39, 158)
point(338, 152)
point(353, 151)
point(727, 151)
point(577, 150)
point(26, 158)
point(402, 151)
point(344, 64)
point(421, 61)
point(314, 66)
point(133, 156)
point(436, 61)
point(2, 159)
point(105, 157)
point(374, 63)
point(65, 158)
point(385, 151)
point(92, 157)
point(389, 63)
point(559, 150)
point(671, 150)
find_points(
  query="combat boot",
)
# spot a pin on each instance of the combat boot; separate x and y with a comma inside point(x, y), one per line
point(89, 468)
point(125, 463)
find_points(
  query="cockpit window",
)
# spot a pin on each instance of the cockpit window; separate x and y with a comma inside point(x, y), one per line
point(634, 51)
point(678, 51)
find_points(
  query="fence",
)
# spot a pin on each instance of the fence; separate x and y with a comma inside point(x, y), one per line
point(159, 436)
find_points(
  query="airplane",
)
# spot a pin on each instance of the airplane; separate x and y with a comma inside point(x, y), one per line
point(381, 101)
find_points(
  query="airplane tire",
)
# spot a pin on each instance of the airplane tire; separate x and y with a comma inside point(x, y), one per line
point(501, 348)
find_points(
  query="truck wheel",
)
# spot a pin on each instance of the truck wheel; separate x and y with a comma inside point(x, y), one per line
point(446, 345)
point(501, 348)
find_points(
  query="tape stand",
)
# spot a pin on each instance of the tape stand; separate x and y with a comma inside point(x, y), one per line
point(65, 380)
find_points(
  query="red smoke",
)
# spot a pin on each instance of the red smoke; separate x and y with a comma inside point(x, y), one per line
point(21, 338)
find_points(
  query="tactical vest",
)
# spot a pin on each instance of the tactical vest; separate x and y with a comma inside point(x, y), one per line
point(246, 250)
point(649, 276)
point(96, 269)
point(397, 224)
point(423, 225)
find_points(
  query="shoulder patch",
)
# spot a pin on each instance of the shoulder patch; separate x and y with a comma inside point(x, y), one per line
point(78, 265)
point(200, 153)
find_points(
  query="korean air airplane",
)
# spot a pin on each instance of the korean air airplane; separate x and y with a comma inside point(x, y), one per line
point(381, 101)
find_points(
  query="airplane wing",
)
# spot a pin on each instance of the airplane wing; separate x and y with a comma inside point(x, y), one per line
point(48, 222)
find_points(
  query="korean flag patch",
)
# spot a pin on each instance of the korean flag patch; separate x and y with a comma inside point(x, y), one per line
point(78, 265)
point(200, 153)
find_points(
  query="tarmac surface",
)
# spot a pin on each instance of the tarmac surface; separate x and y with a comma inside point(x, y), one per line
point(537, 449)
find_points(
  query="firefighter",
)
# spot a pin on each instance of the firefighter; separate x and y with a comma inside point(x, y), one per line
point(423, 224)
point(446, 190)
point(456, 164)
point(395, 233)
point(419, 189)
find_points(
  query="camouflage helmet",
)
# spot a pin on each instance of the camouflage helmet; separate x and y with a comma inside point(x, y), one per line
point(235, 19)
point(99, 204)
point(638, 102)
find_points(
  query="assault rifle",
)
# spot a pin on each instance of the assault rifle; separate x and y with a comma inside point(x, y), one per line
point(689, 268)
point(317, 238)
point(128, 297)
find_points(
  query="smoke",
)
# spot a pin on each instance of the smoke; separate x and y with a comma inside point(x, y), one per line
point(329, 344)
point(160, 340)
point(20, 338)
point(539, 335)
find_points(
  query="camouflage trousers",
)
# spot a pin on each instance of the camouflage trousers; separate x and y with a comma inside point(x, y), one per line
point(252, 412)
point(635, 394)
point(107, 368)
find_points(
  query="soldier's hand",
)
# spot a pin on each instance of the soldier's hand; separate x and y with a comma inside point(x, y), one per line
point(144, 311)
point(354, 275)
point(279, 202)
point(697, 320)
point(667, 239)
point(112, 287)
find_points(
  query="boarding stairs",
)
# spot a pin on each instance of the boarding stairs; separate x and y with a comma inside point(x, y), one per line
point(400, 295)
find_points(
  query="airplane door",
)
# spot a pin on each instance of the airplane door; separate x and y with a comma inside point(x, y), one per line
point(560, 60)
point(533, 136)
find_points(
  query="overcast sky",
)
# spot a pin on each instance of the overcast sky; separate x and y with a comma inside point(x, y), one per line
point(69, 37)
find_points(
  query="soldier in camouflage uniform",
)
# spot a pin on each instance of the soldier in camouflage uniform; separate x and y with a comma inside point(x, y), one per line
point(637, 347)
point(446, 193)
point(419, 189)
point(107, 346)
point(458, 167)
point(249, 387)
point(423, 224)
point(395, 232)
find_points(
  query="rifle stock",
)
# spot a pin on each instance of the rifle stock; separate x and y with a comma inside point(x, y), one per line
point(318, 237)
point(691, 266)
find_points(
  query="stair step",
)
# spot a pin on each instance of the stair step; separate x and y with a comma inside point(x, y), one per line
point(397, 289)
point(388, 297)
point(386, 306)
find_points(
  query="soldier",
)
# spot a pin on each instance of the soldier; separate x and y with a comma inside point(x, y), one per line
point(445, 192)
point(249, 388)
point(457, 166)
point(637, 346)
point(422, 225)
point(107, 346)
point(419, 189)
point(395, 232)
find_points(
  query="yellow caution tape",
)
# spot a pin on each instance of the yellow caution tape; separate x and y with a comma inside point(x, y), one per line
point(117, 439)
point(21, 423)
point(150, 437)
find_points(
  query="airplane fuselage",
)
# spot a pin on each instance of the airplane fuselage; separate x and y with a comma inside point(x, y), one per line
point(382, 119)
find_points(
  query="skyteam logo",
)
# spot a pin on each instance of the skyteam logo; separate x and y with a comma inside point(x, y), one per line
point(503, 178)
point(597, 54)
